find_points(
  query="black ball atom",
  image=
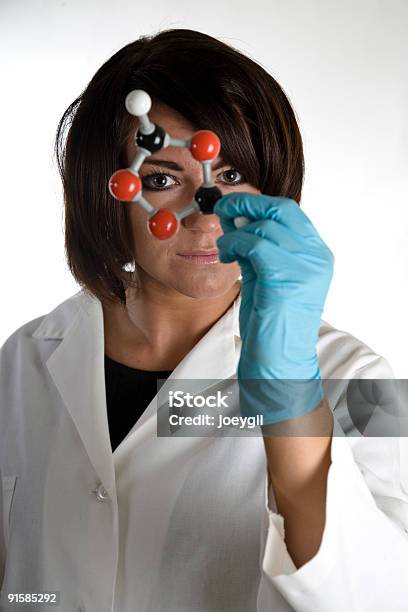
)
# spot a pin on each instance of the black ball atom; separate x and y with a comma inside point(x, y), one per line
point(151, 142)
point(206, 197)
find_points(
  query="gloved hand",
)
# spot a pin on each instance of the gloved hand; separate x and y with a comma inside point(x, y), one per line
point(286, 273)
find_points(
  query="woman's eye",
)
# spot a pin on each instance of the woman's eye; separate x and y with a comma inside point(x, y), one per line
point(158, 181)
point(232, 177)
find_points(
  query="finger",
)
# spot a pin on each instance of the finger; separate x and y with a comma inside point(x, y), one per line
point(248, 272)
point(259, 206)
point(265, 257)
point(278, 234)
point(227, 225)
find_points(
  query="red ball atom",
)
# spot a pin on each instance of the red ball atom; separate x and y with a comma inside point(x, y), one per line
point(205, 145)
point(124, 185)
point(163, 224)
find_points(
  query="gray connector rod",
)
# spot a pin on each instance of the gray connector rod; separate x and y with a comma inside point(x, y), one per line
point(207, 174)
point(139, 159)
point(178, 142)
point(146, 126)
point(194, 207)
point(144, 203)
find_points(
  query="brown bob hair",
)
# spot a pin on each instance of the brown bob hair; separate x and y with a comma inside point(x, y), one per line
point(213, 86)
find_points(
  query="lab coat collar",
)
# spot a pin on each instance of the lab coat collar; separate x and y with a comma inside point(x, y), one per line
point(57, 323)
point(76, 367)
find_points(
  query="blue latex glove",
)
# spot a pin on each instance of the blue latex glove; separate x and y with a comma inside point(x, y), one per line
point(286, 274)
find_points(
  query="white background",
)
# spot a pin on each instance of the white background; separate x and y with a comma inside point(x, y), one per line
point(343, 65)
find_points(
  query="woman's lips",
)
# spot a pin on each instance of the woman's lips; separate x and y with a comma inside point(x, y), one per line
point(200, 257)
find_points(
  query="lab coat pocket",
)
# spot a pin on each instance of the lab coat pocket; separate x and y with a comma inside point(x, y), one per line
point(9, 485)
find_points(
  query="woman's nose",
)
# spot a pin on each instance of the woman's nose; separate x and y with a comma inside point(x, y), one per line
point(200, 222)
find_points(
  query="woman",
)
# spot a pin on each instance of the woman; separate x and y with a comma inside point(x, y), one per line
point(97, 505)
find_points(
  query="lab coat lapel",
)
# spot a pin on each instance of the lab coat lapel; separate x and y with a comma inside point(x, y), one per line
point(77, 368)
point(215, 355)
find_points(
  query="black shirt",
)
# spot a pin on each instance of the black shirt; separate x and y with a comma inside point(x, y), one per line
point(128, 393)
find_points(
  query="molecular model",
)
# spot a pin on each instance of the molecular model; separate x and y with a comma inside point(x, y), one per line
point(125, 185)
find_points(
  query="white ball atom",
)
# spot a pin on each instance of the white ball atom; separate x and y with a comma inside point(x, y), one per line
point(138, 102)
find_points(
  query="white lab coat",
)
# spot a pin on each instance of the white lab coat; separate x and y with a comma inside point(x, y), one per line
point(182, 523)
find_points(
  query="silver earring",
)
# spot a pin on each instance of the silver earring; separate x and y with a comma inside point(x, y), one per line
point(130, 266)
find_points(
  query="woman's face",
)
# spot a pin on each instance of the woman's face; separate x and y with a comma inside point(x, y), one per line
point(170, 179)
